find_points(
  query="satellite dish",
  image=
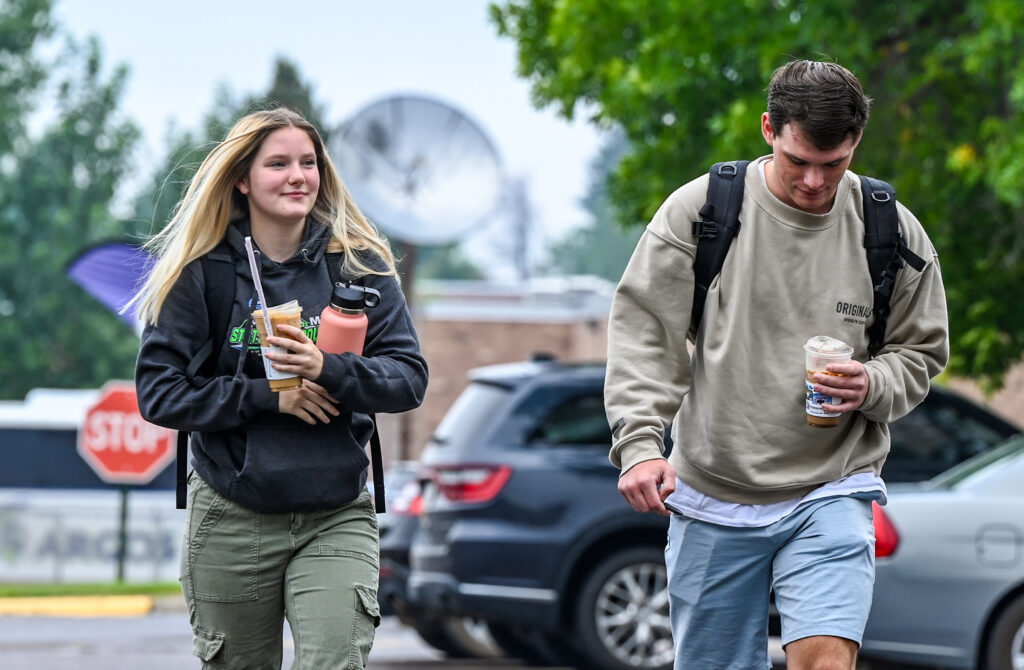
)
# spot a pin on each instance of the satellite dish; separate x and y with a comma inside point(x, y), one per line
point(421, 170)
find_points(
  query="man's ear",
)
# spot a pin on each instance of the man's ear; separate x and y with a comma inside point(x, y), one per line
point(766, 129)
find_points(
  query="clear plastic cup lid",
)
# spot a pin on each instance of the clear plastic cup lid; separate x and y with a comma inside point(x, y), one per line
point(823, 345)
point(290, 306)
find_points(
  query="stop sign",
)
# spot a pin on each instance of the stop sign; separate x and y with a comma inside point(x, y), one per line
point(118, 443)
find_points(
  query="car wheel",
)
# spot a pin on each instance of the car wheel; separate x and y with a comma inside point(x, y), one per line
point(1005, 647)
point(621, 617)
point(458, 637)
point(872, 664)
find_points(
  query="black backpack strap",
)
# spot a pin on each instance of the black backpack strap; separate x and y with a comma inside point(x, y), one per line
point(219, 277)
point(219, 280)
point(378, 468)
point(886, 251)
point(720, 221)
point(181, 471)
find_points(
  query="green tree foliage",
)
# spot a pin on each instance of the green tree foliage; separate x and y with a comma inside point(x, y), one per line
point(686, 81)
point(602, 247)
point(23, 23)
point(55, 187)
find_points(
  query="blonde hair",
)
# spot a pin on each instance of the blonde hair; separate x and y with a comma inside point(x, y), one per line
point(212, 202)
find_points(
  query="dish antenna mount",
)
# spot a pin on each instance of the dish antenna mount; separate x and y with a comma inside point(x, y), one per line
point(420, 169)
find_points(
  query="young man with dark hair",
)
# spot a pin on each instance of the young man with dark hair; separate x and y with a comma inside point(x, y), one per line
point(760, 500)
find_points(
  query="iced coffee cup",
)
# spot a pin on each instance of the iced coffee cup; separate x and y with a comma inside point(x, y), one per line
point(290, 313)
point(821, 351)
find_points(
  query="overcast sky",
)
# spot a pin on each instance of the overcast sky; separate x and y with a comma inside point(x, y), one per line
point(353, 53)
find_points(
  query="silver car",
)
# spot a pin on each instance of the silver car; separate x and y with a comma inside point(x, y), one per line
point(949, 590)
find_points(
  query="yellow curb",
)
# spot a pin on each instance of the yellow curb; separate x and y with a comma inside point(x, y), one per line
point(77, 606)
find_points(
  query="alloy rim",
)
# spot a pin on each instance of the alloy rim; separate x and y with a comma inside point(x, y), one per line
point(632, 616)
point(1017, 649)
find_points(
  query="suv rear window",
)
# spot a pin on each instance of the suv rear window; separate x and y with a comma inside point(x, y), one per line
point(470, 414)
point(578, 420)
point(933, 438)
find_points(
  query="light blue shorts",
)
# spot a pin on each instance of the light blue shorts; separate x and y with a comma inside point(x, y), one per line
point(819, 560)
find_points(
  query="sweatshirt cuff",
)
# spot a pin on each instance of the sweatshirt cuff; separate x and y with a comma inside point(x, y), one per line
point(334, 377)
point(636, 451)
point(263, 399)
point(877, 392)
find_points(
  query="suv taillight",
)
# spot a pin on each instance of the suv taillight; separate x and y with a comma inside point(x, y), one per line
point(887, 538)
point(471, 483)
point(409, 501)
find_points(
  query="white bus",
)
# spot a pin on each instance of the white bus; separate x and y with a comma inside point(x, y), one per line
point(58, 520)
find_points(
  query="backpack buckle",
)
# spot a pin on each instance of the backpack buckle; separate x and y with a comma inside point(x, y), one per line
point(728, 169)
point(708, 229)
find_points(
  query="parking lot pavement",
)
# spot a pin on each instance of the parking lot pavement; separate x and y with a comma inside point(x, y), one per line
point(161, 640)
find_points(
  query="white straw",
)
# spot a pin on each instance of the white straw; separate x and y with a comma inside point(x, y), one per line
point(267, 324)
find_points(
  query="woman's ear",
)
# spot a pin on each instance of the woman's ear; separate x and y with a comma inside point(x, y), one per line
point(243, 186)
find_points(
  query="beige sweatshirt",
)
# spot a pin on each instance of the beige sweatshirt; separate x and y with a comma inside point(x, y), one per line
point(737, 403)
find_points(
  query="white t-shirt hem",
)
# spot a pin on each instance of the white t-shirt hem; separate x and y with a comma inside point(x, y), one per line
point(696, 505)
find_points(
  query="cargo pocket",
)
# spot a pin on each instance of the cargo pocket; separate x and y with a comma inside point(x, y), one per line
point(220, 559)
point(367, 619)
point(205, 645)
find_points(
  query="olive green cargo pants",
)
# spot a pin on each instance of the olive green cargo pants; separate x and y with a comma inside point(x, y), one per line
point(242, 572)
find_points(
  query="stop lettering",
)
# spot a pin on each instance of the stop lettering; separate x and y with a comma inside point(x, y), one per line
point(116, 431)
point(118, 443)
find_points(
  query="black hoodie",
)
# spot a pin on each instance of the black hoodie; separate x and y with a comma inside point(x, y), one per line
point(242, 445)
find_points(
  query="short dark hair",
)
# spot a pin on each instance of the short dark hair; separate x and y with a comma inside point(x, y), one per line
point(825, 99)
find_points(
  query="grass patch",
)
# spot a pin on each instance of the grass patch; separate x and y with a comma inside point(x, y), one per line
point(89, 589)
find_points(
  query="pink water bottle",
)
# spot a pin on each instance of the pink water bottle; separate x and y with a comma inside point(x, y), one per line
point(343, 321)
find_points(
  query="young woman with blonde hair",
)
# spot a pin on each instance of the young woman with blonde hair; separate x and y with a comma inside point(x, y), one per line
point(279, 521)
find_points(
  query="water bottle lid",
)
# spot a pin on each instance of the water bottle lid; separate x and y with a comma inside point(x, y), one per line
point(351, 297)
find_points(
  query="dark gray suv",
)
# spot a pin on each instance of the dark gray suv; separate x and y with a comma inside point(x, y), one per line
point(523, 527)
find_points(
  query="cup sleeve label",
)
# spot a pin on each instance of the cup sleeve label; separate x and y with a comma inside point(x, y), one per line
point(268, 368)
point(815, 400)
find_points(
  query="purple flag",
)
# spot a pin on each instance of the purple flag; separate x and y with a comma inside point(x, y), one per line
point(112, 273)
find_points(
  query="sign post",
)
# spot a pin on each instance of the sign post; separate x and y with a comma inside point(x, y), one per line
point(123, 448)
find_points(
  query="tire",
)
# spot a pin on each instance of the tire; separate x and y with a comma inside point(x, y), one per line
point(458, 637)
point(621, 616)
point(872, 664)
point(1004, 648)
point(533, 647)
